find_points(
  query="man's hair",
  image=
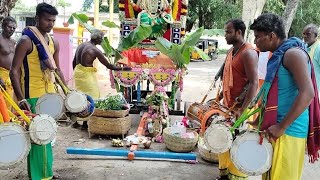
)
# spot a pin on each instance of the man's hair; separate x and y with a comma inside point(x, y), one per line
point(6, 21)
point(314, 28)
point(46, 8)
point(97, 34)
point(238, 24)
point(269, 23)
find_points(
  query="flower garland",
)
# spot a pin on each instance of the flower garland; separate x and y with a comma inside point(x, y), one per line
point(170, 72)
point(127, 82)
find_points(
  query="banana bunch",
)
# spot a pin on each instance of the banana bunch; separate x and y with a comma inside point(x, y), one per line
point(117, 142)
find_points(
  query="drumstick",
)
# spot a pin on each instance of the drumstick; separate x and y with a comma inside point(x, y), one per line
point(14, 105)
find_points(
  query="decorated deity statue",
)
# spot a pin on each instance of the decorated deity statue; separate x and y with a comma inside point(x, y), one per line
point(156, 13)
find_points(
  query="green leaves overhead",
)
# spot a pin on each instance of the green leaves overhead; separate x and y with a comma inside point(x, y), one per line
point(83, 19)
point(180, 53)
point(110, 24)
point(135, 37)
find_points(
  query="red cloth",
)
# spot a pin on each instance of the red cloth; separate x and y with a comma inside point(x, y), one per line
point(270, 116)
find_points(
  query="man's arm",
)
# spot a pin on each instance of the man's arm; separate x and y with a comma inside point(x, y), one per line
point(23, 47)
point(105, 62)
point(56, 59)
point(250, 62)
point(296, 62)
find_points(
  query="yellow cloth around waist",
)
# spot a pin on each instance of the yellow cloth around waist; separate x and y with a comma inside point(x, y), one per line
point(4, 74)
point(86, 81)
point(288, 159)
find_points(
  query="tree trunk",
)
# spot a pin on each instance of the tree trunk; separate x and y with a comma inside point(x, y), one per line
point(289, 13)
point(5, 8)
point(251, 10)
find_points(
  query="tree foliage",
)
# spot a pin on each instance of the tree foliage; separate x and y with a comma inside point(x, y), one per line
point(212, 13)
point(88, 4)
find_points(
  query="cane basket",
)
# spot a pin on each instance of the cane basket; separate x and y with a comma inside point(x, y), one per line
point(110, 113)
point(205, 153)
point(179, 144)
point(108, 126)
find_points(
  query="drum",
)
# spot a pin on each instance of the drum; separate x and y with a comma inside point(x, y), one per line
point(218, 137)
point(46, 103)
point(249, 156)
point(206, 114)
point(14, 145)
point(76, 102)
point(43, 129)
point(89, 110)
point(195, 111)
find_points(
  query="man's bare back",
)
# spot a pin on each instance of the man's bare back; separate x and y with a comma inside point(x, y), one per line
point(6, 52)
point(85, 54)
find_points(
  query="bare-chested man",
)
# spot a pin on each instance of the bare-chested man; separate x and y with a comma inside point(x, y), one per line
point(84, 72)
point(7, 45)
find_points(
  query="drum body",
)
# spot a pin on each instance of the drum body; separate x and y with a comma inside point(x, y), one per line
point(80, 104)
point(14, 145)
point(249, 156)
point(43, 129)
point(51, 104)
point(218, 137)
point(208, 113)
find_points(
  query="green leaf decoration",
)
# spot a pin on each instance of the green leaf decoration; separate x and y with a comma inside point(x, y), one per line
point(203, 55)
point(106, 46)
point(110, 24)
point(193, 38)
point(135, 37)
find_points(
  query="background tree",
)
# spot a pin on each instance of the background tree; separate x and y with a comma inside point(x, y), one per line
point(289, 13)
point(87, 5)
point(6, 7)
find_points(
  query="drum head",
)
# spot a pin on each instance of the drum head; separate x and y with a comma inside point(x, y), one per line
point(218, 138)
point(76, 102)
point(43, 129)
point(249, 156)
point(51, 104)
point(14, 145)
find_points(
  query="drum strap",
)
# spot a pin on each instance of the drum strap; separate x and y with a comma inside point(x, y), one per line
point(247, 113)
point(14, 105)
point(65, 89)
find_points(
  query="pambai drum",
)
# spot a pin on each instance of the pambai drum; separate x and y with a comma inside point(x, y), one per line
point(14, 145)
point(249, 156)
point(51, 104)
point(43, 129)
point(218, 137)
point(79, 103)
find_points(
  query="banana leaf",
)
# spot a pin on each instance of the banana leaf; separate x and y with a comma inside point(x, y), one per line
point(110, 24)
point(135, 37)
point(180, 53)
point(193, 38)
point(203, 55)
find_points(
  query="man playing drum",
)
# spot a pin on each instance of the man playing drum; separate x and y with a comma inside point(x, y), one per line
point(36, 57)
point(84, 72)
point(289, 89)
point(241, 69)
point(7, 44)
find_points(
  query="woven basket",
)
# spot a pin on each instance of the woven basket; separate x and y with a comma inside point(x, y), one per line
point(179, 144)
point(110, 113)
point(205, 153)
point(108, 126)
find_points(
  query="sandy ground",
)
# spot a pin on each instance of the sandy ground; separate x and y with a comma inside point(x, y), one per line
point(80, 167)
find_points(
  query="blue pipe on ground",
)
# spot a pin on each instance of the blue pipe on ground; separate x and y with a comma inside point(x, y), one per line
point(124, 153)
